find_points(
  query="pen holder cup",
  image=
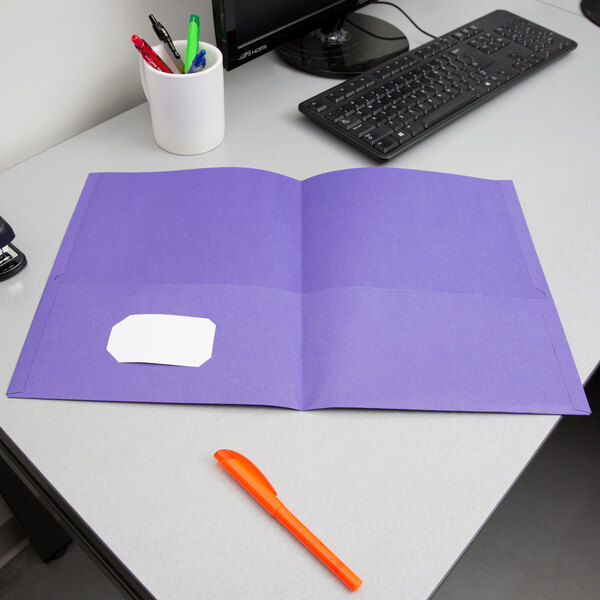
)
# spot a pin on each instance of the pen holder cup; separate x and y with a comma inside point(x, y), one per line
point(187, 111)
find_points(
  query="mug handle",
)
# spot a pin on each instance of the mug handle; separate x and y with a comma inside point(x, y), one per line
point(143, 78)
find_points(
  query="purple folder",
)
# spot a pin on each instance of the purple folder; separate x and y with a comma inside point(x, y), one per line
point(367, 288)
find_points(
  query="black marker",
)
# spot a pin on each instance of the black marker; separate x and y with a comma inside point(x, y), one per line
point(165, 38)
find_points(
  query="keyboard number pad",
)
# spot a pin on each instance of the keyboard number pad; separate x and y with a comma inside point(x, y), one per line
point(533, 37)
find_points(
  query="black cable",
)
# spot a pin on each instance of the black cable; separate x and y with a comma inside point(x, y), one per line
point(379, 37)
point(404, 13)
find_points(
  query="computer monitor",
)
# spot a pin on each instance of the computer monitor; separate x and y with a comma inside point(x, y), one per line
point(324, 37)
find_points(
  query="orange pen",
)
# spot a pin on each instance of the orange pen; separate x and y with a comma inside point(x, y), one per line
point(256, 484)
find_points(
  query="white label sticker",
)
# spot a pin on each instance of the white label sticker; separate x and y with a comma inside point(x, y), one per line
point(162, 339)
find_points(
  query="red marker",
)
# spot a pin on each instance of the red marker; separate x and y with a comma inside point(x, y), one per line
point(153, 59)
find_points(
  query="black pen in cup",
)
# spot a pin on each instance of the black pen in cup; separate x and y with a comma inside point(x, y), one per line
point(163, 35)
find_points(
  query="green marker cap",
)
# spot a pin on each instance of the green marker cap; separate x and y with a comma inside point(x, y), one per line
point(192, 41)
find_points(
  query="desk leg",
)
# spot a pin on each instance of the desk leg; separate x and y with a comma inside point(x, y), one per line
point(72, 525)
point(47, 537)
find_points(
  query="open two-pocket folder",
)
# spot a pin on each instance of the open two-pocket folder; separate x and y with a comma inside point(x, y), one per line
point(371, 288)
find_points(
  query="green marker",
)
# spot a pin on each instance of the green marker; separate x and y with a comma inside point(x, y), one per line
point(192, 41)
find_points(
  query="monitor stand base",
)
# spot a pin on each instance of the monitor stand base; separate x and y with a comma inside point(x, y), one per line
point(591, 9)
point(345, 49)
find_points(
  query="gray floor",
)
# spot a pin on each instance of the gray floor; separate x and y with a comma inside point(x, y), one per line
point(543, 541)
point(71, 577)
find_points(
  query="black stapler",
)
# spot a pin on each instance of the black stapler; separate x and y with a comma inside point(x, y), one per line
point(12, 260)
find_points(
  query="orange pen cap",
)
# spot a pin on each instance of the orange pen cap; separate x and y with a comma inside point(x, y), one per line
point(249, 476)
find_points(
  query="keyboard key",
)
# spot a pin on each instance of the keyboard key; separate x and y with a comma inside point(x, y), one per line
point(400, 121)
point(318, 106)
point(448, 41)
point(361, 129)
point(401, 136)
point(335, 116)
point(362, 115)
point(414, 128)
point(336, 96)
point(349, 109)
point(350, 88)
point(447, 109)
point(385, 145)
point(383, 73)
point(348, 123)
point(357, 104)
point(369, 98)
point(361, 84)
point(373, 136)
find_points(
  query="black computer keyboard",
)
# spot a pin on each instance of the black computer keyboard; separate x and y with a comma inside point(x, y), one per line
point(395, 105)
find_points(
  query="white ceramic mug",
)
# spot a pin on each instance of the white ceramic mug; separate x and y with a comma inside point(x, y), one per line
point(187, 111)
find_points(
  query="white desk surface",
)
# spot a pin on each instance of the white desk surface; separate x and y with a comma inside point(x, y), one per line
point(398, 495)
